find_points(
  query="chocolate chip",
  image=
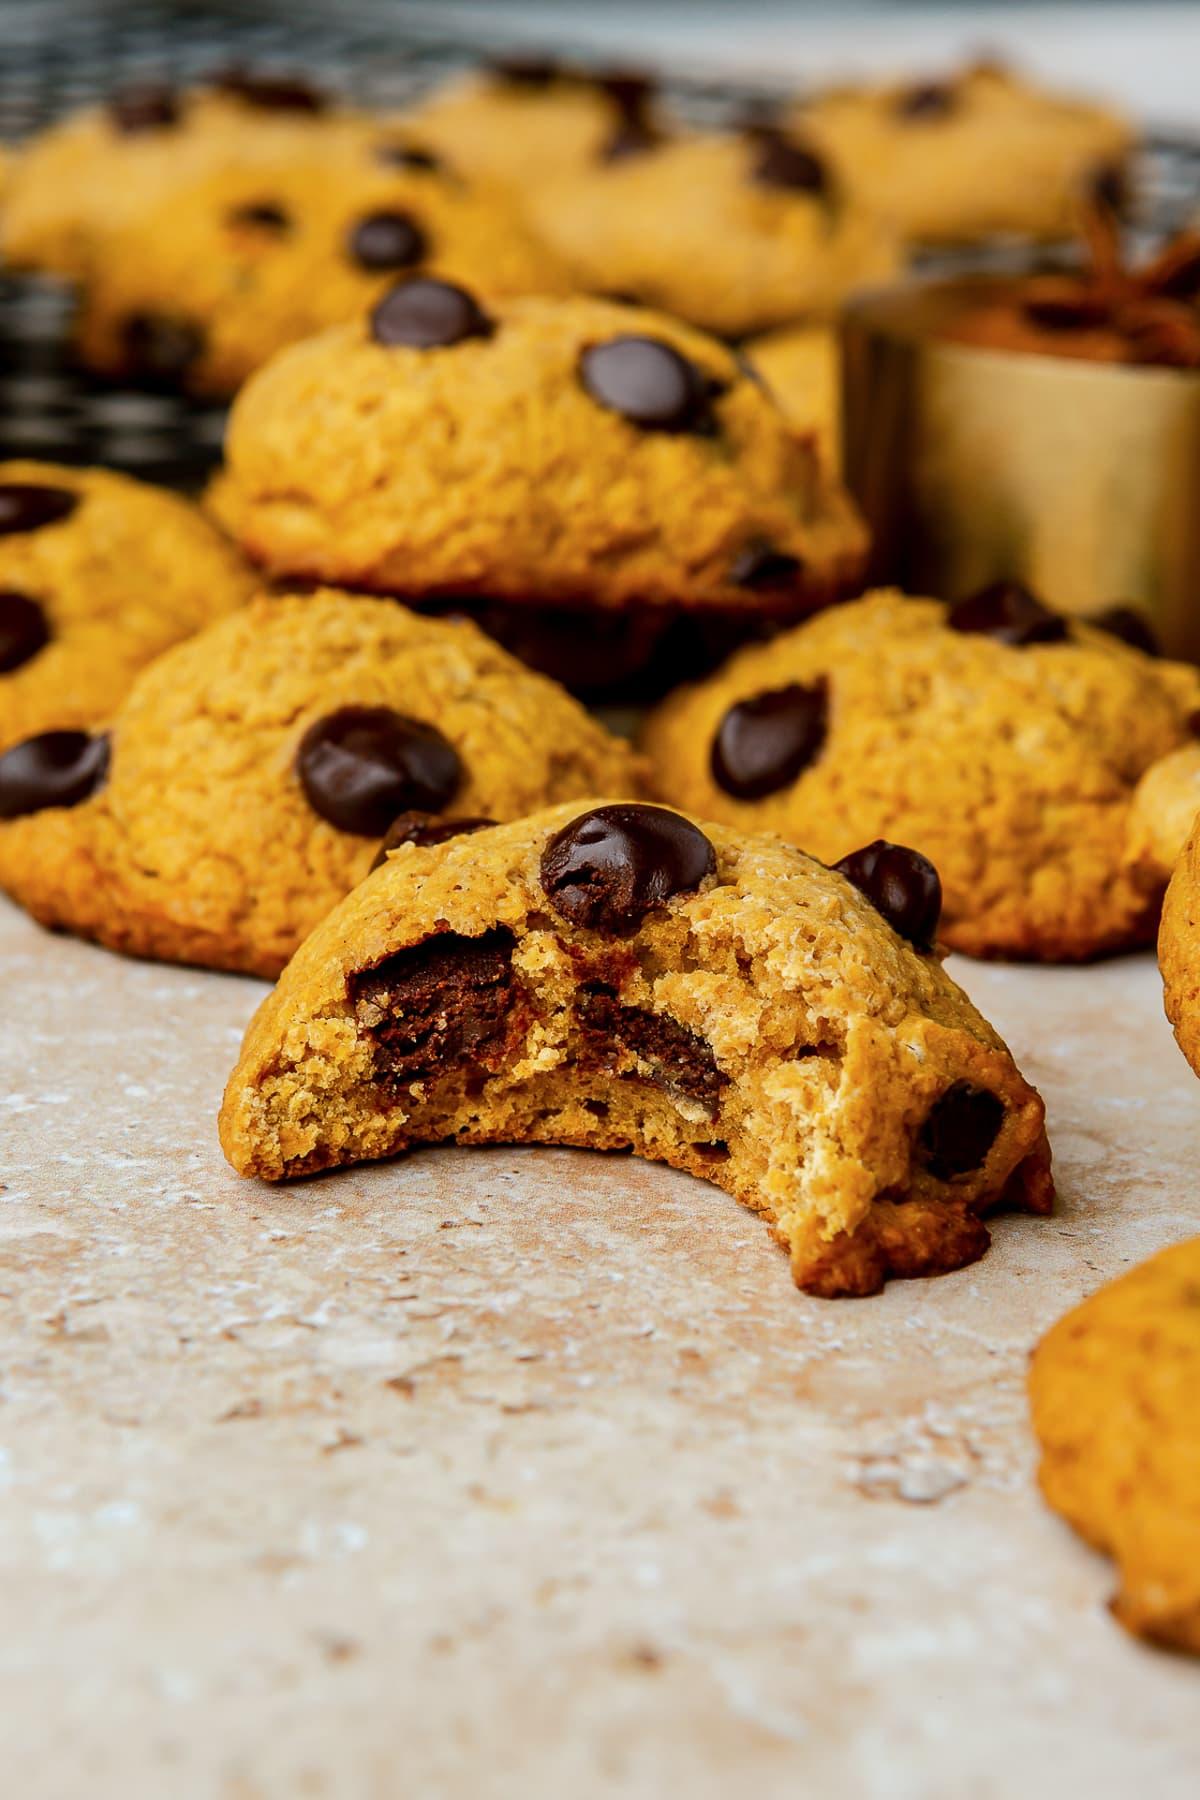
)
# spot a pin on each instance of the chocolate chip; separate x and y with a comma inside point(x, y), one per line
point(1130, 625)
point(272, 93)
point(782, 163)
point(765, 742)
point(649, 383)
point(960, 1130)
point(161, 348)
point(437, 1005)
point(760, 567)
point(59, 768)
point(29, 505)
point(362, 765)
point(424, 314)
point(424, 829)
point(680, 1060)
point(629, 89)
point(608, 868)
point(902, 885)
point(261, 215)
point(23, 630)
point(387, 240)
point(524, 71)
point(406, 156)
point(146, 106)
point(927, 100)
point(1009, 613)
point(631, 137)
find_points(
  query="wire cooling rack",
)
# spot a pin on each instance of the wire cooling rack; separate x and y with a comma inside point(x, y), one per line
point(55, 55)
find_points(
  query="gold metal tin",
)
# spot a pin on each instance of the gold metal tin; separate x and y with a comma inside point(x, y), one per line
point(1081, 479)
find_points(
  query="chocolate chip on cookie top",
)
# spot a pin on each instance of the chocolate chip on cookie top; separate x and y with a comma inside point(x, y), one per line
point(760, 567)
point(58, 768)
point(609, 868)
point(1009, 613)
point(649, 383)
point(28, 505)
point(148, 106)
point(387, 240)
point(959, 1131)
point(271, 93)
point(23, 630)
point(928, 100)
point(362, 765)
point(782, 163)
point(763, 743)
point(901, 884)
point(424, 314)
point(261, 215)
point(425, 829)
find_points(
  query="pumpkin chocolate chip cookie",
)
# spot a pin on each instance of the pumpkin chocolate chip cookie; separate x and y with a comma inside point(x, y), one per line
point(249, 777)
point(98, 574)
point(1113, 1391)
point(1001, 739)
point(736, 232)
point(576, 455)
point(623, 977)
point(517, 118)
point(979, 153)
point(105, 165)
point(231, 266)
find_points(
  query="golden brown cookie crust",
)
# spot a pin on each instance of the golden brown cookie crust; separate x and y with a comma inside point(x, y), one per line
point(1179, 949)
point(979, 154)
point(199, 260)
point(1012, 769)
point(487, 468)
point(131, 571)
point(687, 227)
point(1113, 1391)
point(826, 1037)
point(202, 847)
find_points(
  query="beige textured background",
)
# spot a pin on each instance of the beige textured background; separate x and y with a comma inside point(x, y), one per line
point(528, 1472)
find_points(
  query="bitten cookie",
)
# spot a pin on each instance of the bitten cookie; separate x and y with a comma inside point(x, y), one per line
point(518, 119)
point(980, 153)
point(736, 232)
point(105, 165)
point(623, 977)
point(1003, 740)
point(571, 454)
point(231, 266)
point(1113, 1390)
point(98, 574)
point(251, 775)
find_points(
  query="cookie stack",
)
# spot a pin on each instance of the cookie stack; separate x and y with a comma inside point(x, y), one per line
point(497, 443)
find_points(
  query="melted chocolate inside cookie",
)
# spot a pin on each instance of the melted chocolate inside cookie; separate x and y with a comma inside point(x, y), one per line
point(960, 1130)
point(447, 1002)
point(609, 868)
point(24, 630)
point(764, 743)
point(680, 1060)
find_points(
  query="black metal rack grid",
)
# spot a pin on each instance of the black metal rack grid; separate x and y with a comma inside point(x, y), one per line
point(57, 56)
